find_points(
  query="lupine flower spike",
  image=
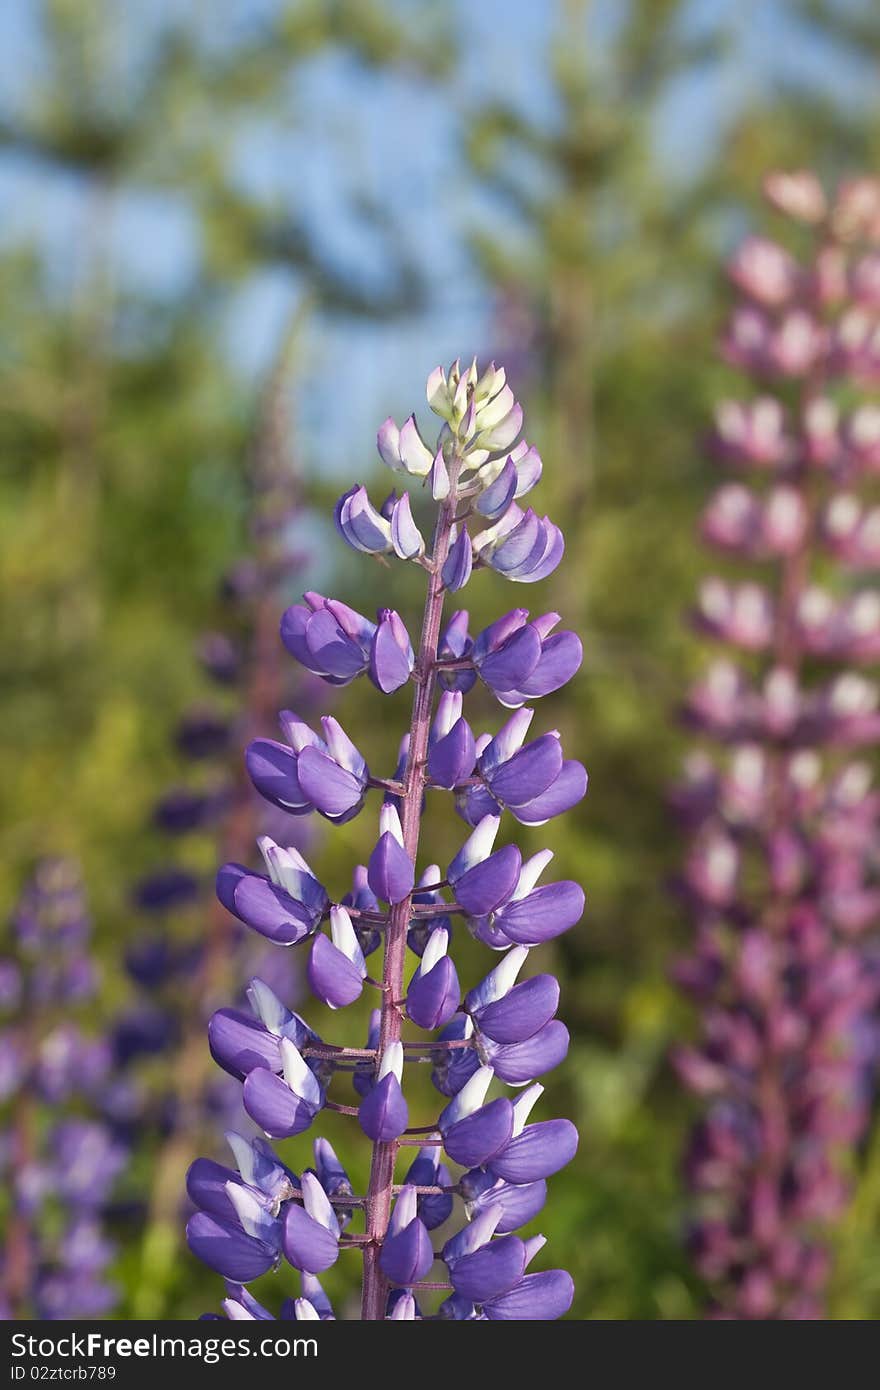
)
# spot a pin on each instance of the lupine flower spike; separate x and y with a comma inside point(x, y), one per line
point(781, 871)
point(482, 1155)
point(60, 1158)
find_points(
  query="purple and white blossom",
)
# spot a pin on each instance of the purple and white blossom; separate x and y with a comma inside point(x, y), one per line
point(487, 1043)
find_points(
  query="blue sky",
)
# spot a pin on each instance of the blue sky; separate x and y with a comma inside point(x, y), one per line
point(397, 139)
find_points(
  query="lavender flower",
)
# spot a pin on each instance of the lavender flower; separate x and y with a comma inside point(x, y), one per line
point(59, 1175)
point(500, 1034)
point(780, 874)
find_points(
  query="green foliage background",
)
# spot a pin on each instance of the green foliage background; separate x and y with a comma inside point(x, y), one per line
point(125, 418)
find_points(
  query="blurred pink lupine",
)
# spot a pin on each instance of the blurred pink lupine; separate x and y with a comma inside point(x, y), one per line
point(781, 875)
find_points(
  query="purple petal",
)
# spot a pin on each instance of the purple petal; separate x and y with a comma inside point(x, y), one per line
point(433, 998)
point(306, 1243)
point(360, 524)
point(500, 493)
point(543, 541)
point(272, 767)
point(490, 1271)
point(561, 657)
point(528, 773)
point(414, 452)
point(507, 668)
point(538, 1152)
point(493, 637)
point(474, 1140)
point(273, 1106)
point(519, 1203)
point(506, 743)
point(455, 640)
point(458, 564)
point(390, 872)
point(227, 1249)
point(407, 1257)
point(333, 978)
point(341, 511)
point(206, 1186)
point(331, 789)
point(542, 914)
point(528, 468)
point(390, 664)
point(553, 551)
point(484, 887)
point(228, 878)
point(536, 1298)
point(293, 634)
point(451, 759)
point(568, 789)
point(240, 1045)
point(517, 545)
point(521, 1012)
point(354, 625)
point(520, 1062)
point(475, 849)
point(331, 651)
point(383, 1113)
point(405, 535)
point(388, 443)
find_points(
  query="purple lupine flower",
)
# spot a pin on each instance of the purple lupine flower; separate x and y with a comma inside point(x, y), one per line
point(383, 1112)
point(434, 993)
point(286, 904)
point(406, 1255)
point(235, 1228)
point(451, 746)
point(62, 1173)
point(283, 1104)
point(472, 1129)
point(336, 965)
point(311, 1231)
point(533, 781)
point(240, 1042)
point(390, 872)
point(336, 643)
point(485, 1043)
point(779, 873)
point(520, 660)
point(309, 773)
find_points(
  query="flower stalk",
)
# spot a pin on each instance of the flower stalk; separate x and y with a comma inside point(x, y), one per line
point(378, 1203)
point(497, 1035)
point(781, 871)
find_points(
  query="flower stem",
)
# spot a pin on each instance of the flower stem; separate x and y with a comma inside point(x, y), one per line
point(379, 1192)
